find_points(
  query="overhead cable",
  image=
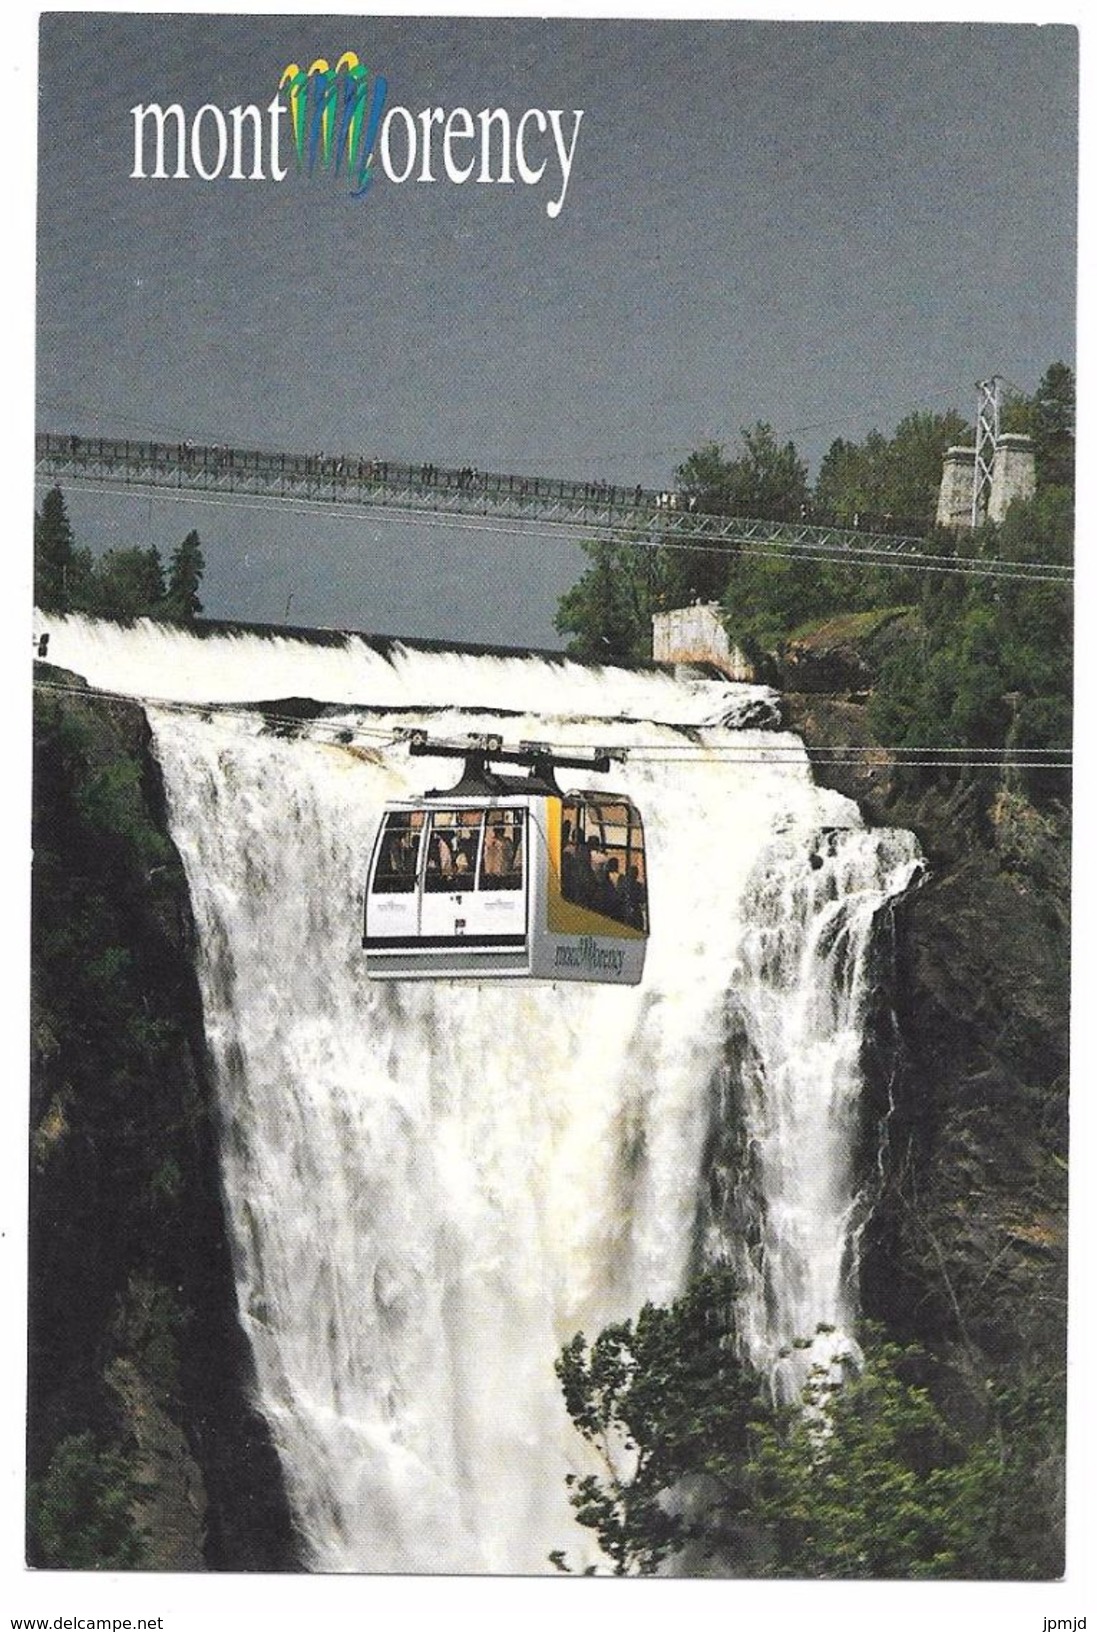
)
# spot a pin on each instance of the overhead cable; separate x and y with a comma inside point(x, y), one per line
point(793, 752)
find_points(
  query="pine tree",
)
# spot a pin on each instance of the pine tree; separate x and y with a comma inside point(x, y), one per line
point(1053, 431)
point(129, 584)
point(184, 577)
point(53, 554)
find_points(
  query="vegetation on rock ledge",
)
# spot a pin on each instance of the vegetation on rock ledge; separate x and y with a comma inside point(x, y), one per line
point(128, 1256)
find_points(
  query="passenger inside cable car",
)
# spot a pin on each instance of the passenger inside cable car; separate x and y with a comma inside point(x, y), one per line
point(602, 860)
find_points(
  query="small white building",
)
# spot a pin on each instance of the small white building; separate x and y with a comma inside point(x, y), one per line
point(696, 634)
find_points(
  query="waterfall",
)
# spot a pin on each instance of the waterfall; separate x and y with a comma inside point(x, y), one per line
point(808, 960)
point(431, 1187)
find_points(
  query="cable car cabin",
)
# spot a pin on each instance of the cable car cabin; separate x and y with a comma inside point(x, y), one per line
point(508, 877)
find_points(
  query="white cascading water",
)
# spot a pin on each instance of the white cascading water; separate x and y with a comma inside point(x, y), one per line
point(808, 970)
point(432, 1187)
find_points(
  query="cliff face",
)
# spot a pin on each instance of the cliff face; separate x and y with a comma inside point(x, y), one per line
point(981, 1124)
point(967, 1249)
point(142, 1446)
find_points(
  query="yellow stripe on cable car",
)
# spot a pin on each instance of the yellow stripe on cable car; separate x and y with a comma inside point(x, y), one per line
point(566, 917)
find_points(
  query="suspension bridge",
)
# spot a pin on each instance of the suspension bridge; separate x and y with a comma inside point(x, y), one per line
point(635, 516)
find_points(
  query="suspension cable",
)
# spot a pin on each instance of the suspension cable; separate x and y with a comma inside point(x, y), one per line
point(793, 752)
point(518, 530)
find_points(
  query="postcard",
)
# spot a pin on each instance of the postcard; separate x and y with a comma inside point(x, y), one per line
point(551, 807)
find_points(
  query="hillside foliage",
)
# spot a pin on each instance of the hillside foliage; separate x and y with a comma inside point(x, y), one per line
point(127, 1248)
point(943, 1455)
point(979, 661)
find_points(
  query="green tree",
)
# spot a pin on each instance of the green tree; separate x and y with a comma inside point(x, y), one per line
point(993, 668)
point(184, 580)
point(61, 572)
point(769, 478)
point(848, 483)
point(129, 584)
point(915, 460)
point(1029, 1414)
point(764, 478)
point(123, 583)
point(81, 1511)
point(864, 1478)
point(706, 484)
point(706, 479)
point(867, 1481)
point(767, 596)
point(660, 1399)
point(608, 612)
point(1053, 428)
point(898, 476)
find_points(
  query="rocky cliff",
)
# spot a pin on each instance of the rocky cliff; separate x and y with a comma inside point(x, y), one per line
point(967, 1248)
point(143, 1448)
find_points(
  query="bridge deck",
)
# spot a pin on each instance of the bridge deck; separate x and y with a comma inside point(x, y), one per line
point(384, 484)
point(636, 516)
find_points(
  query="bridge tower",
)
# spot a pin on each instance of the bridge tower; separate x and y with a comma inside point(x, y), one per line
point(987, 432)
point(979, 484)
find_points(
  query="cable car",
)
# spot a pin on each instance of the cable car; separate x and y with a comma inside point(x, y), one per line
point(508, 877)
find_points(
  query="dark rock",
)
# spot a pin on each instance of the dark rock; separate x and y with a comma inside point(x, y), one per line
point(132, 1316)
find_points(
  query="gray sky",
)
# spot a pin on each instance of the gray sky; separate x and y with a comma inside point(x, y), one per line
point(820, 225)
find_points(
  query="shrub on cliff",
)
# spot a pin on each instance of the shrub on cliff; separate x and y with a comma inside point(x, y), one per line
point(80, 1512)
point(865, 1478)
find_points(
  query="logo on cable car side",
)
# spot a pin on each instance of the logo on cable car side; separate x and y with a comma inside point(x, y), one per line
point(587, 954)
point(336, 119)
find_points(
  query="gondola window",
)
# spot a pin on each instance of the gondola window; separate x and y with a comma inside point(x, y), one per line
point(602, 863)
point(502, 862)
point(453, 852)
point(398, 860)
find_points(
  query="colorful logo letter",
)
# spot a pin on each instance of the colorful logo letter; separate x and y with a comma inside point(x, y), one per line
point(329, 120)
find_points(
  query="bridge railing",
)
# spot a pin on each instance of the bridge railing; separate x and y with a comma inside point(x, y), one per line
point(188, 463)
